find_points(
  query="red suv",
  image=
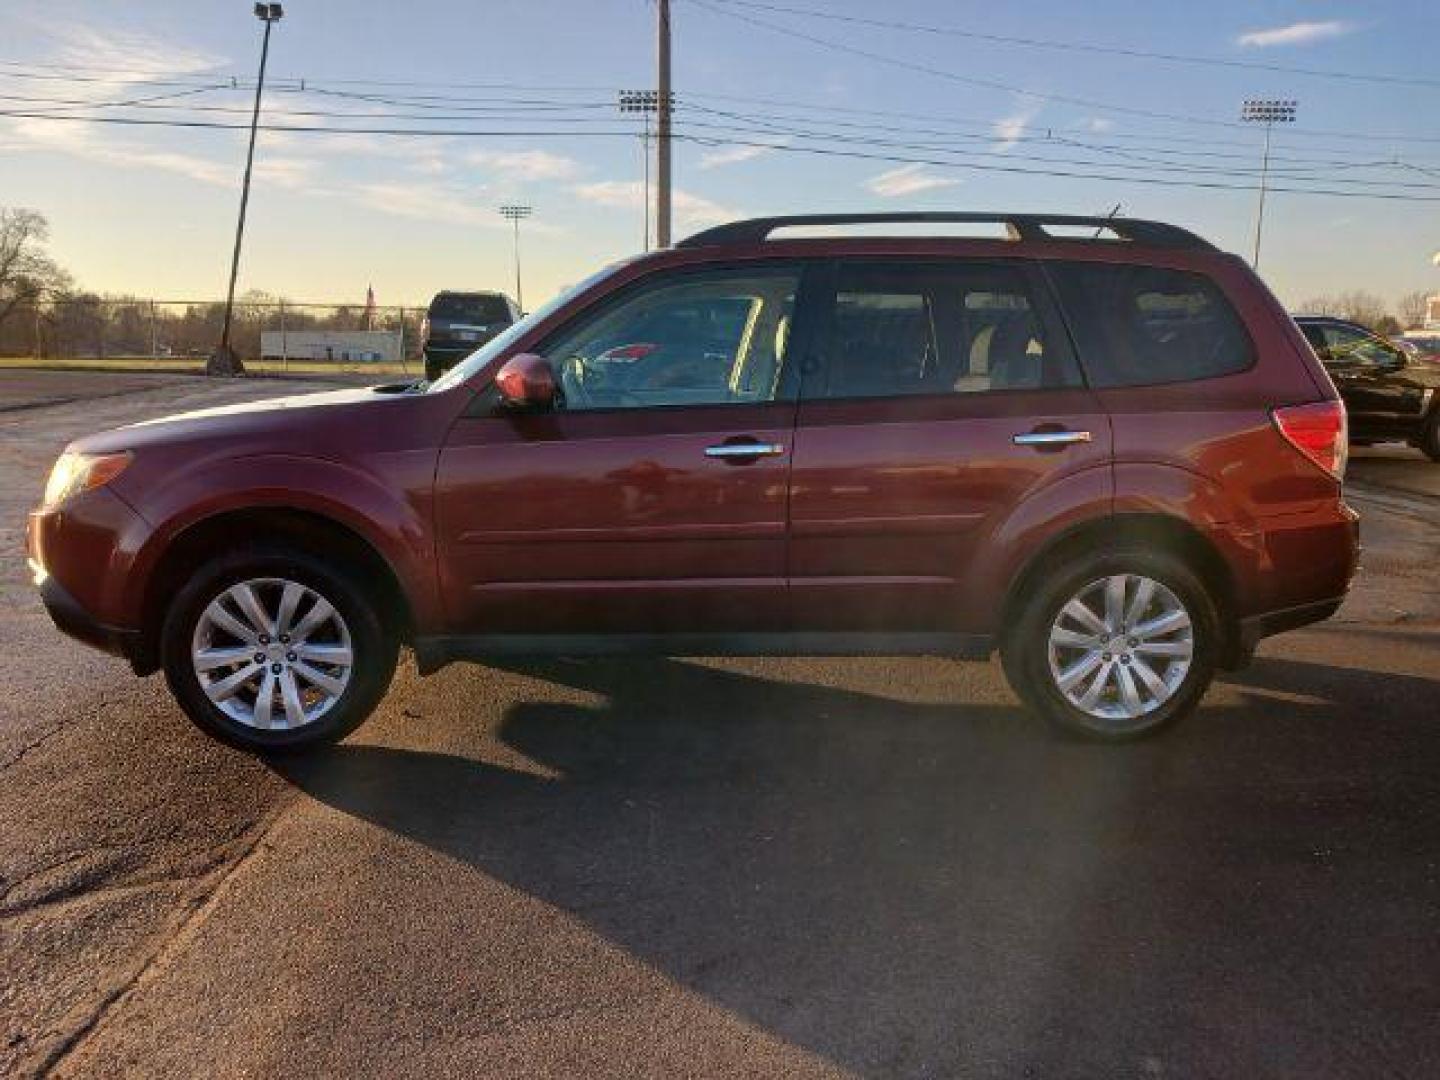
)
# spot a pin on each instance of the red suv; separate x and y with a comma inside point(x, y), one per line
point(1099, 446)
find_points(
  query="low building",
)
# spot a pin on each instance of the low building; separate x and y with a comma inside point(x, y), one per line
point(1432, 312)
point(340, 346)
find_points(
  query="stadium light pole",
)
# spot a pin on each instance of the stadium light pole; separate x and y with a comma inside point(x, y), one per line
point(1267, 111)
point(225, 362)
point(643, 102)
point(513, 212)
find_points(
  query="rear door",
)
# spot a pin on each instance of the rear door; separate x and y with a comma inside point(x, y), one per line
point(939, 397)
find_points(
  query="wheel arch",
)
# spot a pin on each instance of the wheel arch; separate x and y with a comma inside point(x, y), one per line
point(311, 531)
point(1163, 531)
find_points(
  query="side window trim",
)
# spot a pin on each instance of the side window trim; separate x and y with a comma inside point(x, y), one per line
point(1062, 370)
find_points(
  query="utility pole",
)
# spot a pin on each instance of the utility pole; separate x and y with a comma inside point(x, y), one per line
point(1267, 111)
point(514, 212)
point(224, 361)
point(662, 129)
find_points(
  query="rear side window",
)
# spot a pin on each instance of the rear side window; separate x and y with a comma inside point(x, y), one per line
point(470, 309)
point(900, 330)
point(1142, 325)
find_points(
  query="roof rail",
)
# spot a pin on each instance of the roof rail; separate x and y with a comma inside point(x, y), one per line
point(1030, 227)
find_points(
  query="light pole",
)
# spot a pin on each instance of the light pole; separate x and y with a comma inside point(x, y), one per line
point(225, 362)
point(1267, 111)
point(513, 212)
point(643, 102)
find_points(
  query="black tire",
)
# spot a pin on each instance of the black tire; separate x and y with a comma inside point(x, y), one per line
point(374, 646)
point(1429, 440)
point(1025, 648)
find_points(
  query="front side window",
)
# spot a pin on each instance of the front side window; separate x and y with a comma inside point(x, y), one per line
point(905, 330)
point(711, 337)
point(1144, 325)
point(1344, 345)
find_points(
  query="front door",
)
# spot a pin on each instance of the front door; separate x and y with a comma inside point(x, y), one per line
point(944, 396)
point(653, 500)
point(1370, 375)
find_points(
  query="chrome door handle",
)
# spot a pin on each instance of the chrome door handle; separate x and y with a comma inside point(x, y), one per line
point(1050, 438)
point(744, 449)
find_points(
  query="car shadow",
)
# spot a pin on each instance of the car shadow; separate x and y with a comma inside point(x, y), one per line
point(916, 889)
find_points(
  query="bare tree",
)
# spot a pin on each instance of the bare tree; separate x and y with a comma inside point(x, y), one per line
point(26, 272)
point(1411, 309)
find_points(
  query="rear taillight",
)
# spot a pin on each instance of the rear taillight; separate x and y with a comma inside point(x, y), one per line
point(1318, 431)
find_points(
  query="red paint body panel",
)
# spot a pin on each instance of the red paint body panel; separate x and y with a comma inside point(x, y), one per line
point(616, 520)
point(885, 514)
point(894, 501)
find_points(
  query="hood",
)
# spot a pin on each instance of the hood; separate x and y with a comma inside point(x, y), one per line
point(316, 400)
point(300, 421)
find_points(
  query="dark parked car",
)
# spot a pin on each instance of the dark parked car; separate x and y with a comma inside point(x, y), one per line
point(1390, 394)
point(1115, 461)
point(457, 323)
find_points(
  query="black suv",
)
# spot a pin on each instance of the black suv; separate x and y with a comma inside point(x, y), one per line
point(459, 322)
point(1389, 395)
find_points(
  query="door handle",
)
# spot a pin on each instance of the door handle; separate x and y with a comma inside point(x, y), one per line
point(1050, 438)
point(744, 450)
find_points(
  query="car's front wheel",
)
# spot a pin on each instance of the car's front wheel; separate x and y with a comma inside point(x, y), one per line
point(1114, 645)
point(275, 649)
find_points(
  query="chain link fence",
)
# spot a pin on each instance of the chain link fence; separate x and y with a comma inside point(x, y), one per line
point(180, 334)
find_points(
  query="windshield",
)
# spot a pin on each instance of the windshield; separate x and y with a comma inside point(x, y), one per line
point(474, 309)
point(502, 341)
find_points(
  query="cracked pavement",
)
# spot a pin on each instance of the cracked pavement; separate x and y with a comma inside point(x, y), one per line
point(729, 868)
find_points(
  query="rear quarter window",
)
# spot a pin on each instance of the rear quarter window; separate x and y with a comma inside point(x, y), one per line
point(1146, 325)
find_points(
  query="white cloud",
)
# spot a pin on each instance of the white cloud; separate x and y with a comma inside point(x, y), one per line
point(525, 164)
point(426, 202)
point(691, 210)
point(733, 155)
point(126, 58)
point(907, 180)
point(1300, 33)
point(1009, 129)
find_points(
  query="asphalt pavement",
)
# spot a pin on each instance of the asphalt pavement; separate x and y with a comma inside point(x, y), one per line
point(691, 867)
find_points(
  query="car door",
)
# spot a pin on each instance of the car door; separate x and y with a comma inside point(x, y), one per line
point(1369, 374)
point(654, 499)
point(942, 396)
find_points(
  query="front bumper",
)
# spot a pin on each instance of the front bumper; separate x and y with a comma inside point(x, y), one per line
point(71, 618)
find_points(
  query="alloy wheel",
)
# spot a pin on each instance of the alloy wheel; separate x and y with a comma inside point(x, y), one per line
point(272, 654)
point(1121, 647)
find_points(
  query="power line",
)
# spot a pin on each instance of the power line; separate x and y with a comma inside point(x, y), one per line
point(1063, 174)
point(1048, 139)
point(1182, 168)
point(1009, 88)
point(896, 159)
point(1086, 47)
point(306, 85)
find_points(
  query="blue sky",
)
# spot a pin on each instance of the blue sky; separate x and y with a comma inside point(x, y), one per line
point(150, 210)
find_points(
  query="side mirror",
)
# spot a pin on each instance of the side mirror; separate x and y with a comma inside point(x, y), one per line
point(527, 382)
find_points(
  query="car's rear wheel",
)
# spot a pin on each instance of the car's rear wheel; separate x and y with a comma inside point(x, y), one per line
point(276, 650)
point(1114, 645)
point(1429, 441)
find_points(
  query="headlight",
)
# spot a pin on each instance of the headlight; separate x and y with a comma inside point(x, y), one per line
point(74, 473)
